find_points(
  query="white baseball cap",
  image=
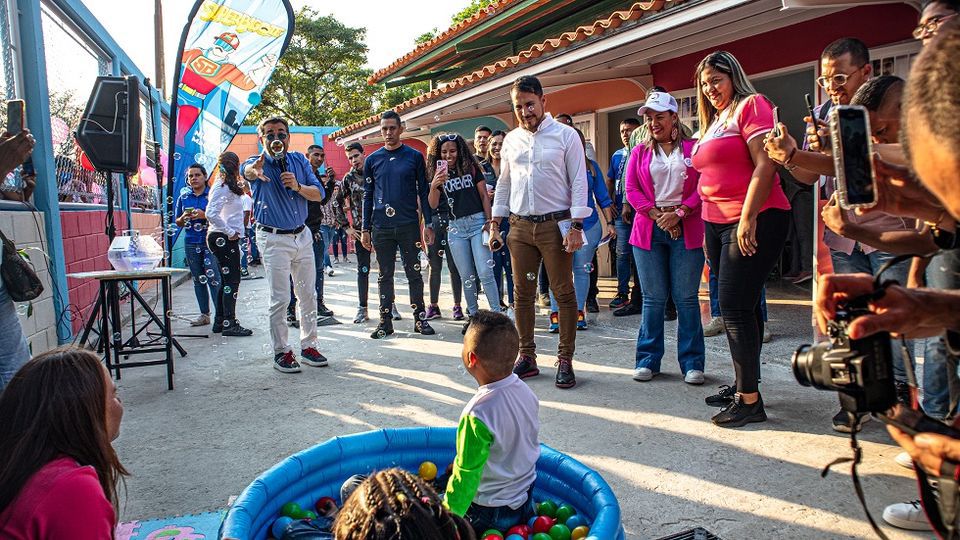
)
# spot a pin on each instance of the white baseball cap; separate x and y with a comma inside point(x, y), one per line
point(659, 102)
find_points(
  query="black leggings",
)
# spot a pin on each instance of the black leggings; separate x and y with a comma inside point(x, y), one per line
point(227, 253)
point(740, 281)
point(363, 271)
point(436, 252)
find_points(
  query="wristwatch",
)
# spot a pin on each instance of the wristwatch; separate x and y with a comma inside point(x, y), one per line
point(680, 212)
point(578, 225)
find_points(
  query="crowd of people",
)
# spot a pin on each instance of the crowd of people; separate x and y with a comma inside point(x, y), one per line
point(529, 207)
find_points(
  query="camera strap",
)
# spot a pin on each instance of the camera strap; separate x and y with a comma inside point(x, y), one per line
point(857, 486)
point(941, 503)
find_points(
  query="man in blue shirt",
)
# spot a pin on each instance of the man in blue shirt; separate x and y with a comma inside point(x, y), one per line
point(282, 183)
point(627, 301)
point(395, 181)
point(190, 210)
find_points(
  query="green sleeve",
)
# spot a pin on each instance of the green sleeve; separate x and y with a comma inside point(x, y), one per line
point(473, 449)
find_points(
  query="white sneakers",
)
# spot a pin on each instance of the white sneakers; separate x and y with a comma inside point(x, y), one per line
point(329, 271)
point(908, 515)
point(714, 327)
point(904, 460)
point(694, 376)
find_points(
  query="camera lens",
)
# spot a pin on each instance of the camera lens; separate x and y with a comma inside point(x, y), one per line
point(801, 362)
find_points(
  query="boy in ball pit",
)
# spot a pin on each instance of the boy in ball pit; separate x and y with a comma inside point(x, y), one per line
point(491, 483)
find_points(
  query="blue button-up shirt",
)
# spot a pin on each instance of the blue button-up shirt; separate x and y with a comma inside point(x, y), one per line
point(273, 204)
point(196, 229)
point(616, 173)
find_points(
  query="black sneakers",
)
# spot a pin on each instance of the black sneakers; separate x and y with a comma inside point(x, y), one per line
point(384, 329)
point(628, 310)
point(286, 363)
point(565, 376)
point(526, 366)
point(312, 357)
point(738, 413)
point(424, 328)
point(233, 329)
point(721, 398)
point(323, 311)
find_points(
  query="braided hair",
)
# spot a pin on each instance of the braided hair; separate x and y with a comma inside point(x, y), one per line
point(393, 505)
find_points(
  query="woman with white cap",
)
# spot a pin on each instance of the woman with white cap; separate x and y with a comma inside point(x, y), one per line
point(667, 238)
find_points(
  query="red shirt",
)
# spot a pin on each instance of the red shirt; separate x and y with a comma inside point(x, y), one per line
point(726, 165)
point(61, 500)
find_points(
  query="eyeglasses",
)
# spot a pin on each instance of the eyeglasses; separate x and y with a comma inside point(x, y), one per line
point(929, 28)
point(839, 79)
point(274, 136)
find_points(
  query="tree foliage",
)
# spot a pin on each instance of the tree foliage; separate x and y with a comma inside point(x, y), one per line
point(471, 10)
point(320, 80)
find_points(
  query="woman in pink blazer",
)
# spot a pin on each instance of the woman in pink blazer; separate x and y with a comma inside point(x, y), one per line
point(667, 238)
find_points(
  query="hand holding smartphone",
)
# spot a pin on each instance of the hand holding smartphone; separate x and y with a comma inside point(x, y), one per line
point(776, 131)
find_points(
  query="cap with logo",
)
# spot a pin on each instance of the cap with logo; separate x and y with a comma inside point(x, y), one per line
point(659, 102)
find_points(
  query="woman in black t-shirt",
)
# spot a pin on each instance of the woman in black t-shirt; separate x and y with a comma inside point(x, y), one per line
point(458, 180)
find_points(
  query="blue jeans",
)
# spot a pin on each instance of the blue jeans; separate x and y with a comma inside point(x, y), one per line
point(484, 518)
point(626, 266)
point(319, 252)
point(715, 296)
point(329, 235)
point(14, 351)
point(206, 274)
point(668, 268)
point(582, 266)
point(501, 265)
point(940, 381)
point(474, 260)
point(858, 261)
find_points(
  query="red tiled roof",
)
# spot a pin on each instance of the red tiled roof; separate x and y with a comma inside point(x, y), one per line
point(566, 39)
point(442, 38)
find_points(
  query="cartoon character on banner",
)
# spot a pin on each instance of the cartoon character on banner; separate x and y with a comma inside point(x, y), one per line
point(204, 71)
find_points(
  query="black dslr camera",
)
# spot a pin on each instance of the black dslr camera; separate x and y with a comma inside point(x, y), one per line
point(861, 370)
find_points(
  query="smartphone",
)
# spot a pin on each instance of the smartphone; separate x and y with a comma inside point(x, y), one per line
point(809, 101)
point(852, 156)
point(776, 122)
point(441, 165)
point(15, 114)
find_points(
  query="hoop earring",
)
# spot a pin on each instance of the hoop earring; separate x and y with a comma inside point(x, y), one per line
point(675, 134)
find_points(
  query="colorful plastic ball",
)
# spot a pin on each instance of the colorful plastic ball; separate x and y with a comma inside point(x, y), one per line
point(547, 508)
point(580, 532)
point(541, 536)
point(428, 471)
point(531, 522)
point(280, 525)
point(490, 534)
point(542, 524)
point(575, 521)
point(515, 537)
point(324, 505)
point(520, 530)
point(309, 514)
point(291, 510)
point(560, 532)
point(564, 512)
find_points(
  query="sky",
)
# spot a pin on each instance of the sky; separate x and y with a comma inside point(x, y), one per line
point(391, 25)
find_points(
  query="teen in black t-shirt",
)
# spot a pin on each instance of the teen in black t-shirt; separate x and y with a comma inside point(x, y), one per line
point(461, 185)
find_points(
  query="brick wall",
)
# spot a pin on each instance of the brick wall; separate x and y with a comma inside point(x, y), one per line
point(85, 250)
point(38, 318)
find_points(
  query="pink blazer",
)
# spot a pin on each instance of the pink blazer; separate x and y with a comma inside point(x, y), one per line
point(640, 195)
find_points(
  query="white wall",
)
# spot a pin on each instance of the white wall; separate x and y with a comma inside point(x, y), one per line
point(26, 230)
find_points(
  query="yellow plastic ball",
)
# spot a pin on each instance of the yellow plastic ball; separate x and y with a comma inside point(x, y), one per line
point(427, 471)
point(579, 532)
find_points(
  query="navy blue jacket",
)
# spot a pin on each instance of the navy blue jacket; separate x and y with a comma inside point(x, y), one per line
point(396, 180)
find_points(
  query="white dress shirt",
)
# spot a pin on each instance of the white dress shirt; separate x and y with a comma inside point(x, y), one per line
point(225, 211)
point(669, 174)
point(542, 172)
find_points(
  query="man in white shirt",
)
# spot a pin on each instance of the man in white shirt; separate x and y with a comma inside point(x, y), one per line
point(543, 189)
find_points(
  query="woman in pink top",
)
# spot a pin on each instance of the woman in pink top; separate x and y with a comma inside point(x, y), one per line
point(58, 470)
point(746, 215)
point(667, 238)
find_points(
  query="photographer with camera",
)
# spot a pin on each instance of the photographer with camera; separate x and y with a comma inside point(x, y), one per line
point(931, 110)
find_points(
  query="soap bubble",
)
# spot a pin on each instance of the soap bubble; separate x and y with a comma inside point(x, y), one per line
point(221, 242)
point(210, 272)
point(531, 276)
point(224, 270)
point(588, 268)
point(390, 211)
point(491, 263)
point(226, 289)
point(416, 267)
point(202, 280)
point(364, 269)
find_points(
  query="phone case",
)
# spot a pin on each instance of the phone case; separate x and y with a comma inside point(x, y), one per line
point(837, 145)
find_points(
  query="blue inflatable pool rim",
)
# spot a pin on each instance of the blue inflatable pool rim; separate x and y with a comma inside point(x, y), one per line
point(319, 471)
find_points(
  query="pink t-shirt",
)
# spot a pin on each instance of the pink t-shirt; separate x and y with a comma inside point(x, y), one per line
point(61, 500)
point(725, 164)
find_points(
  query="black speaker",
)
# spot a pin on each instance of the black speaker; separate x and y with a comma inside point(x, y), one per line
point(109, 130)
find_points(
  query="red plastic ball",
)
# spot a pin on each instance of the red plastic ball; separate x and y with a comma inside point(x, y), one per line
point(542, 524)
point(492, 537)
point(324, 505)
point(522, 530)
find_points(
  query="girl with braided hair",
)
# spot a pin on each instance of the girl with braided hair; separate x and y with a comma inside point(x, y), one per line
point(393, 505)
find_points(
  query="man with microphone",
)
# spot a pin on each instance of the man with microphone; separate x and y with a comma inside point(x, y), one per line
point(282, 182)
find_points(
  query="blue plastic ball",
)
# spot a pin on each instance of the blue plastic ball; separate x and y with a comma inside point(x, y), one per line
point(575, 521)
point(280, 525)
point(530, 523)
point(514, 537)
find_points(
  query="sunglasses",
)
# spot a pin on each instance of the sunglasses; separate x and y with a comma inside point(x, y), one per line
point(275, 136)
point(447, 137)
